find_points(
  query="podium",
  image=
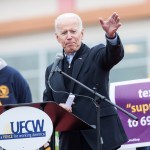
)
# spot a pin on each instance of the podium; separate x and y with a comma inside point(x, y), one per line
point(62, 120)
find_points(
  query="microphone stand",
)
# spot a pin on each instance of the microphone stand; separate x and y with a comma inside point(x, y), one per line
point(96, 102)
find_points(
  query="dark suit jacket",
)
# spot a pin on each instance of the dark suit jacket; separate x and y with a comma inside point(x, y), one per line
point(91, 68)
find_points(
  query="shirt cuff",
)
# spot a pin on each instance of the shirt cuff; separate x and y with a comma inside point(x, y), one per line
point(113, 41)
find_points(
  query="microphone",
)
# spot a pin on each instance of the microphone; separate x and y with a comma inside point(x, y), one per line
point(59, 57)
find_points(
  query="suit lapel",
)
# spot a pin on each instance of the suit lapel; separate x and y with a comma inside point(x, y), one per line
point(78, 65)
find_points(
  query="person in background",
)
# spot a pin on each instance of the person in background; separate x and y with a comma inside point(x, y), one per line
point(91, 67)
point(14, 88)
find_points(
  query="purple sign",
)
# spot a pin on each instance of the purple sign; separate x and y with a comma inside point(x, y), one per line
point(134, 97)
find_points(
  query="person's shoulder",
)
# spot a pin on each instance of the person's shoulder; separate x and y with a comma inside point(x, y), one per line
point(94, 49)
point(12, 69)
point(14, 72)
point(98, 46)
point(49, 67)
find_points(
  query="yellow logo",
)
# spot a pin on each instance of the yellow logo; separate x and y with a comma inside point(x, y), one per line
point(4, 91)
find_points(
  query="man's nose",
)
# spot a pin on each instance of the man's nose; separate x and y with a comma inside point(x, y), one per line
point(69, 36)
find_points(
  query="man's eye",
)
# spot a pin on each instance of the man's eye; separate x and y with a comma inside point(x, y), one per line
point(73, 32)
point(64, 33)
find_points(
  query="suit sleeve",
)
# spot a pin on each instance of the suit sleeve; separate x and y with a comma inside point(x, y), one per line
point(109, 55)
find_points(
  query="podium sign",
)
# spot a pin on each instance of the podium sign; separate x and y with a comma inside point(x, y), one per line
point(27, 119)
point(24, 128)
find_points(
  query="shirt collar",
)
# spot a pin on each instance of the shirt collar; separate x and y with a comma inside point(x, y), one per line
point(70, 57)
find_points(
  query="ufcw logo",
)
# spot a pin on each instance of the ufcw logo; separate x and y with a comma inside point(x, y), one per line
point(25, 129)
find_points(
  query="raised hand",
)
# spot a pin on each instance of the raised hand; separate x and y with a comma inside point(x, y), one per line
point(111, 25)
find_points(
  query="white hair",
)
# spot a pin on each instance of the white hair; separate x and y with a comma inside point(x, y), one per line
point(65, 16)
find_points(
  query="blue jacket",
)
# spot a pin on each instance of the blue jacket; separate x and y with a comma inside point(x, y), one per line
point(13, 87)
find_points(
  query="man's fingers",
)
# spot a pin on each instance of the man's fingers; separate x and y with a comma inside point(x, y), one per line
point(101, 21)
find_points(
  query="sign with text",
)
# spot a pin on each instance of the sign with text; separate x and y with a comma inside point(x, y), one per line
point(134, 97)
point(24, 128)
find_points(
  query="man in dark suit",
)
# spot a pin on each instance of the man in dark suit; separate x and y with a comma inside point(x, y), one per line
point(90, 66)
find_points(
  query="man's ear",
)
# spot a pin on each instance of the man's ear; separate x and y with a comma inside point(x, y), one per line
point(82, 33)
point(57, 37)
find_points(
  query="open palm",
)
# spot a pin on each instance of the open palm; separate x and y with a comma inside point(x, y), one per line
point(111, 25)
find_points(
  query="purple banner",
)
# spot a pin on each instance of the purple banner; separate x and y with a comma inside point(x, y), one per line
point(134, 97)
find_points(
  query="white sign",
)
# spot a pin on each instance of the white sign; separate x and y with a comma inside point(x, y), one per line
point(24, 128)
